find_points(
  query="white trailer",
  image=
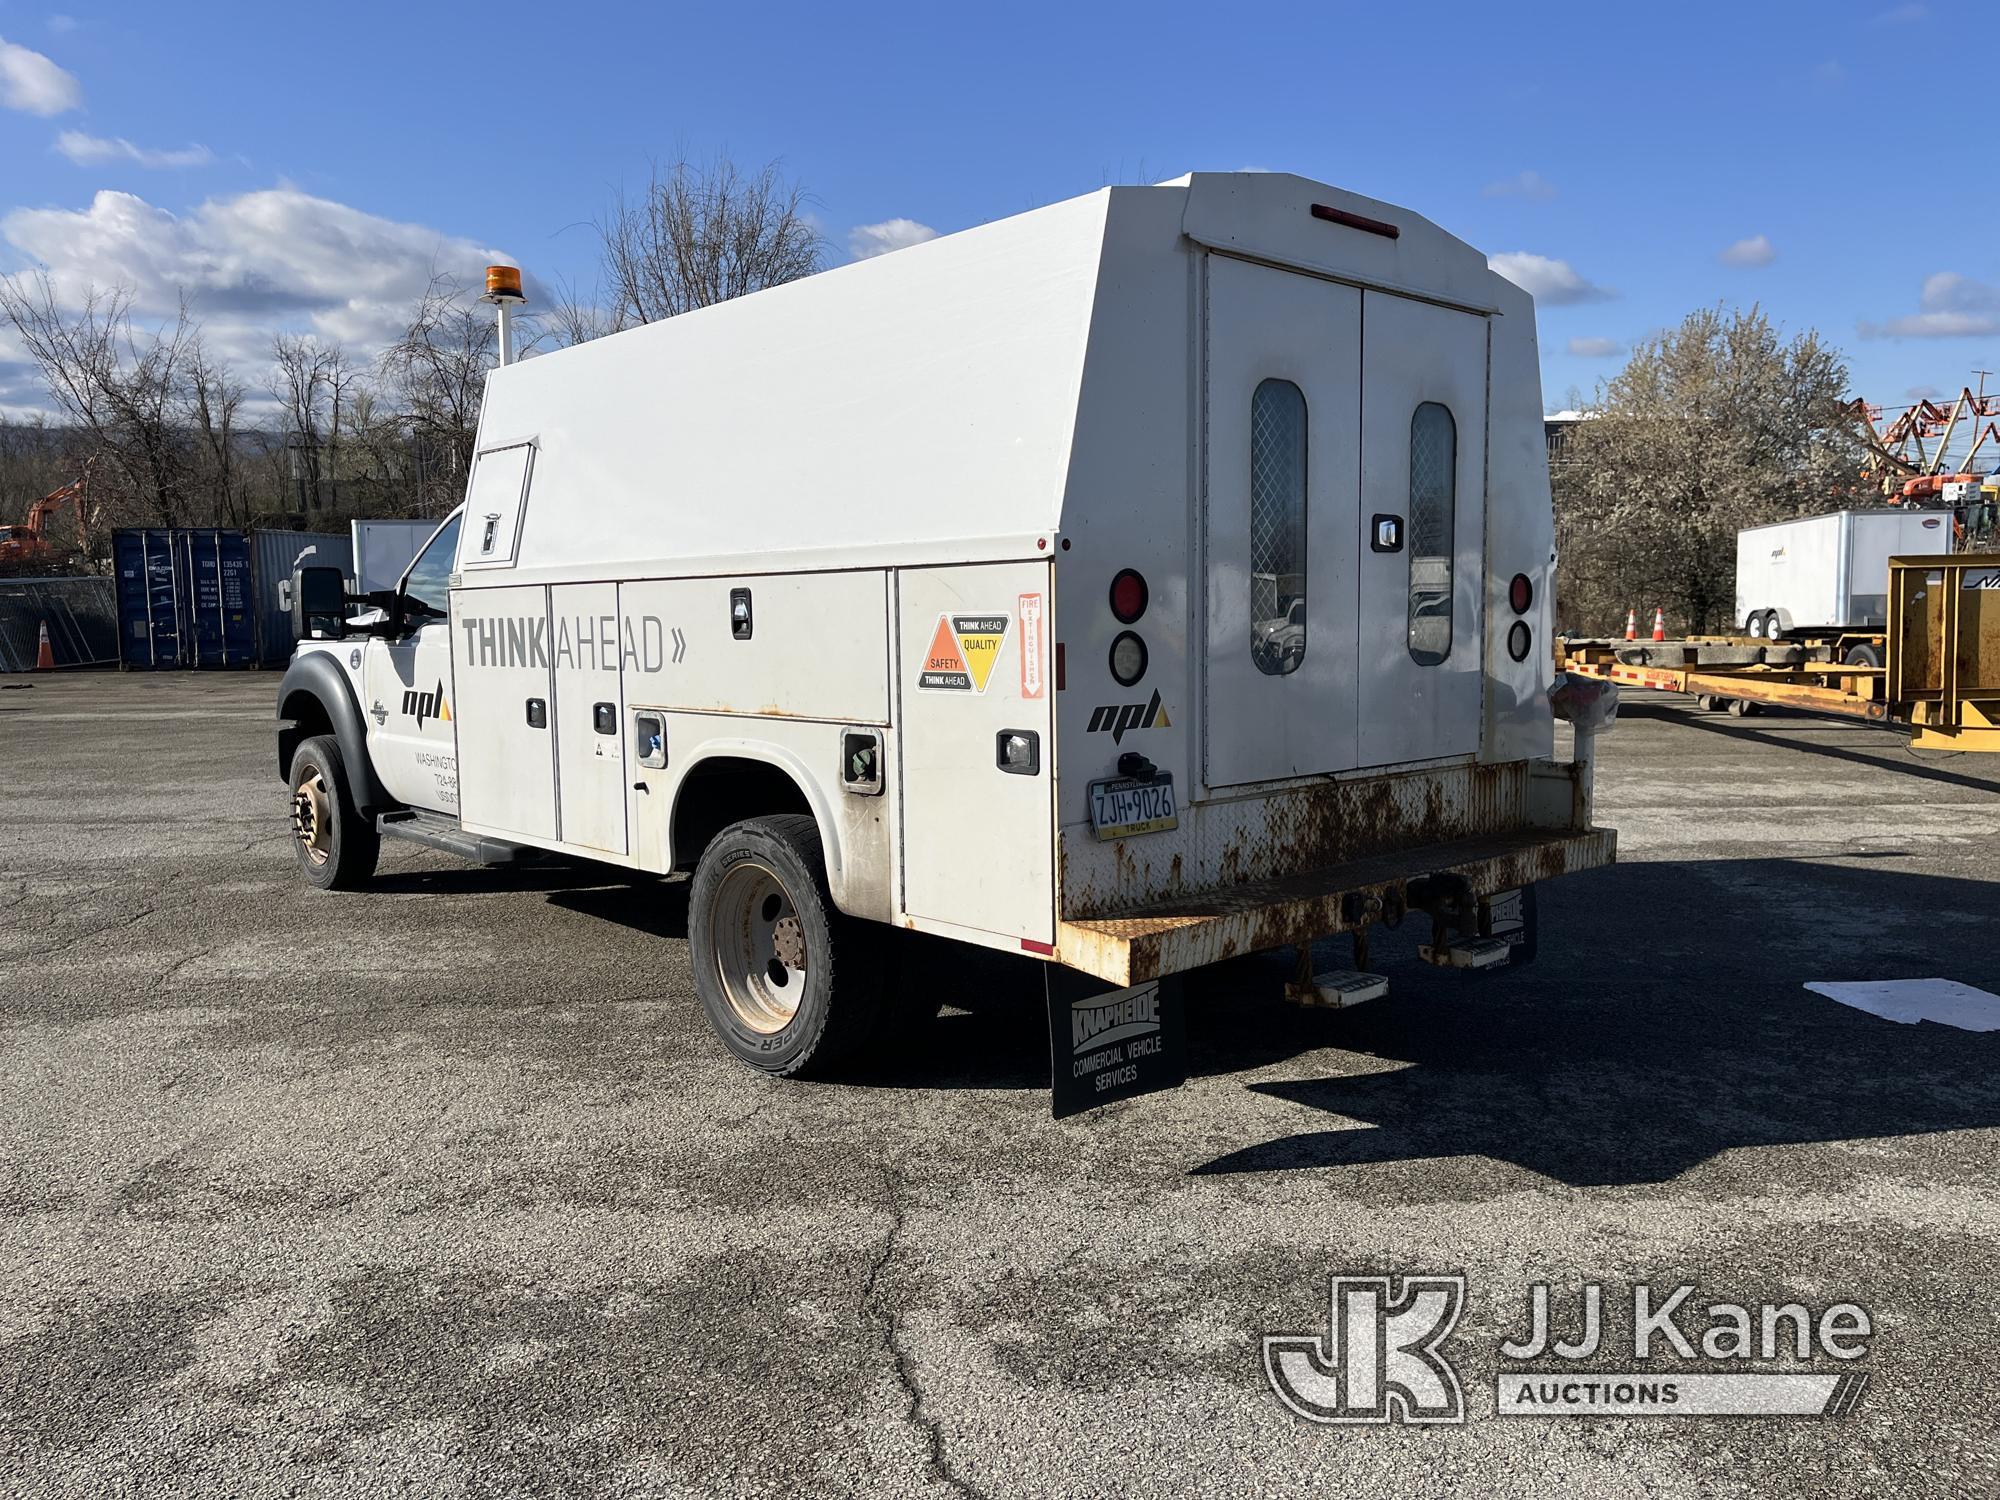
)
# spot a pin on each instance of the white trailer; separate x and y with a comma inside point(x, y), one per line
point(384, 549)
point(1828, 572)
point(1150, 578)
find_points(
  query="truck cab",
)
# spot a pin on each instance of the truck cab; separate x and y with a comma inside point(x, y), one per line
point(1138, 582)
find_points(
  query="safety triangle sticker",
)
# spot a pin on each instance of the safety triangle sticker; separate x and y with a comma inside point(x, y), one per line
point(962, 652)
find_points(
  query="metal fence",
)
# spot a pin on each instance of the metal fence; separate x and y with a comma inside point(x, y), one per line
point(81, 615)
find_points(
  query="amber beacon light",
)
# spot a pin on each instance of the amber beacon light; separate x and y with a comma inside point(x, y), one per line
point(503, 290)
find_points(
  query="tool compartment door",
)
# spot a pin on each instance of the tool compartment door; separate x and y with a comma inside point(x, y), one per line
point(1423, 462)
point(1282, 419)
point(588, 645)
point(978, 841)
point(506, 743)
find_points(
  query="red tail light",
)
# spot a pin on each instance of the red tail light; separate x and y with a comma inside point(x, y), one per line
point(1128, 596)
point(1521, 593)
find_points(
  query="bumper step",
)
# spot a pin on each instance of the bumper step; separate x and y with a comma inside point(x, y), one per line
point(1336, 989)
point(1171, 937)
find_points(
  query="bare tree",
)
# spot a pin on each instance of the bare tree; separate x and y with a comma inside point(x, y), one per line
point(437, 372)
point(310, 381)
point(1713, 426)
point(701, 234)
point(122, 387)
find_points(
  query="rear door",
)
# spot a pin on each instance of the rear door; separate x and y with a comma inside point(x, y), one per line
point(1282, 418)
point(1423, 477)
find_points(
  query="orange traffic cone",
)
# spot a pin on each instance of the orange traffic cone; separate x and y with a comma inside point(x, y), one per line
point(45, 658)
point(1659, 624)
point(1631, 624)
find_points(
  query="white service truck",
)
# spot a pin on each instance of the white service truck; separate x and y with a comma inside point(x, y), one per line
point(1829, 574)
point(1156, 577)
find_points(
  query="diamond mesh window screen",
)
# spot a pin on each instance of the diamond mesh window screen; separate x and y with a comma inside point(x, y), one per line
point(1433, 507)
point(1278, 527)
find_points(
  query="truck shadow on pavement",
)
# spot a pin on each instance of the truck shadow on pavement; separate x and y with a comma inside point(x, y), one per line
point(1634, 1057)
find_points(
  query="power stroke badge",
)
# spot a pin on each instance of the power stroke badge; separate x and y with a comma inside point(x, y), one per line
point(1107, 1044)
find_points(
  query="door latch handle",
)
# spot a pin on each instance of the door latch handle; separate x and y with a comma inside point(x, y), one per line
point(640, 786)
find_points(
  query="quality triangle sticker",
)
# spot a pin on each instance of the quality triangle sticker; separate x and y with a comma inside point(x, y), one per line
point(979, 640)
point(944, 667)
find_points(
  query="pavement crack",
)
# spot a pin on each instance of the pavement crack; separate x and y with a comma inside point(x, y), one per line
point(915, 1409)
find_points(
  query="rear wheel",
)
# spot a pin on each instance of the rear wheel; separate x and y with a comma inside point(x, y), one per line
point(1742, 708)
point(789, 983)
point(1774, 626)
point(336, 845)
point(1753, 624)
point(1867, 654)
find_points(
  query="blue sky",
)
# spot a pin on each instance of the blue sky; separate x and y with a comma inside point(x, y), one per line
point(306, 164)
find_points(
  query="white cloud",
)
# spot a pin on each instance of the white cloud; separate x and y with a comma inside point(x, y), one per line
point(1755, 251)
point(31, 82)
point(1553, 283)
point(250, 265)
point(1523, 185)
point(866, 241)
point(1588, 348)
point(1950, 306)
point(89, 150)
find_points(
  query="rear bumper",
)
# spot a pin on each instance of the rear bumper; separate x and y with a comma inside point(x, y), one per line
point(1171, 937)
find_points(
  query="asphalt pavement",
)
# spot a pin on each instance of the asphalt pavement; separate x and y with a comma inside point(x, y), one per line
point(443, 1188)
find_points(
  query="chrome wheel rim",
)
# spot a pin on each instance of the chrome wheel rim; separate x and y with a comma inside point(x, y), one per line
point(759, 946)
point(312, 817)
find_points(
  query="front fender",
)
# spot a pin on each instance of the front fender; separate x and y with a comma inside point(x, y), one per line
point(314, 676)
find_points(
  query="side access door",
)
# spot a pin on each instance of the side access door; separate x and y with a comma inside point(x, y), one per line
point(406, 686)
point(503, 646)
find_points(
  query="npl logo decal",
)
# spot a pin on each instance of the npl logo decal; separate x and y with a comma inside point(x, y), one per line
point(1378, 1359)
point(1115, 718)
point(961, 654)
point(429, 705)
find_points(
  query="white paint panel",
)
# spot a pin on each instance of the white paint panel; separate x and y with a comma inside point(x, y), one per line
point(923, 397)
point(587, 643)
point(506, 766)
point(978, 843)
point(1276, 325)
point(1412, 353)
point(818, 647)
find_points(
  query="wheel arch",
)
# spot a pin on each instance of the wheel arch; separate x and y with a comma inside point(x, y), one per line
point(314, 698)
point(736, 779)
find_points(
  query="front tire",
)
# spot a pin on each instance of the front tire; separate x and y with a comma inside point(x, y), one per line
point(790, 984)
point(337, 846)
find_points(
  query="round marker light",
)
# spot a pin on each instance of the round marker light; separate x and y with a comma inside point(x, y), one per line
point(1128, 597)
point(1521, 593)
point(1128, 658)
point(1519, 640)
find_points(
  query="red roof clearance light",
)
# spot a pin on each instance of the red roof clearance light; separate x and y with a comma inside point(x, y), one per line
point(1334, 215)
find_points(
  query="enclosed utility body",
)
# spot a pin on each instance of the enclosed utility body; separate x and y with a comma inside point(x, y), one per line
point(1829, 572)
point(1150, 578)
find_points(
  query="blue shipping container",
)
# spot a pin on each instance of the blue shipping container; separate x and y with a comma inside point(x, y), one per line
point(196, 597)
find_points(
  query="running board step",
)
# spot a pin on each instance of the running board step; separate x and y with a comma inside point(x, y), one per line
point(1476, 953)
point(434, 831)
point(1336, 989)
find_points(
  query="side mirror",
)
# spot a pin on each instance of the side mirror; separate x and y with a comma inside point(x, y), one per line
point(319, 603)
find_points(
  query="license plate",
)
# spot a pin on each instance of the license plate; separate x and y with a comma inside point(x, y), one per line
point(1123, 806)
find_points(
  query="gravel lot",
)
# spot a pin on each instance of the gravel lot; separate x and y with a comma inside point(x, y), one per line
point(443, 1188)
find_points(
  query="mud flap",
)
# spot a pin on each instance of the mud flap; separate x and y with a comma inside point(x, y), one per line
point(1107, 1044)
